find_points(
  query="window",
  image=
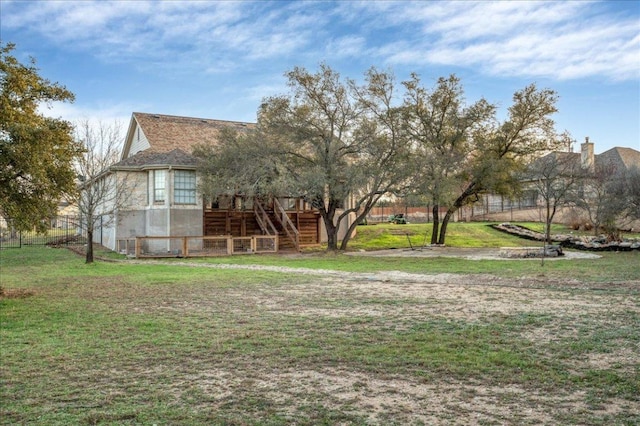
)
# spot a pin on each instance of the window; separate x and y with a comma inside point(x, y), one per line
point(184, 187)
point(159, 186)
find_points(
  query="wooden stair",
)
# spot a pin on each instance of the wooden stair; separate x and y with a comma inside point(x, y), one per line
point(294, 228)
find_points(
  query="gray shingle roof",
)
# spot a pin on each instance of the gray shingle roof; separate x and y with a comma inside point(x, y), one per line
point(168, 132)
point(149, 159)
point(172, 138)
point(620, 158)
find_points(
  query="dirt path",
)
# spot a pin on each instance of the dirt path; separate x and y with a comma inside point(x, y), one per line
point(465, 253)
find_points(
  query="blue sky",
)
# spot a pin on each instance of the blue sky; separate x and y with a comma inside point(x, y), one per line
point(220, 59)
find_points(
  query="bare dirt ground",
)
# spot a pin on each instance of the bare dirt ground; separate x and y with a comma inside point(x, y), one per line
point(402, 300)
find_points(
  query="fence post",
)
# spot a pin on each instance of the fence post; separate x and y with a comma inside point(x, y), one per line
point(185, 250)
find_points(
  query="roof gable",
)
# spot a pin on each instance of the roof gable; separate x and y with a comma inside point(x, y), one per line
point(620, 158)
point(165, 133)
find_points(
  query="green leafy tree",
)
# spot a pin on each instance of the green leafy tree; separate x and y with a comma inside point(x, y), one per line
point(36, 152)
point(336, 144)
point(238, 165)
point(310, 132)
point(499, 151)
point(340, 144)
point(442, 129)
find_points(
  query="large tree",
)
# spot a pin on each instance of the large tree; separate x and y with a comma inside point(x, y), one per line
point(36, 152)
point(441, 128)
point(340, 144)
point(310, 132)
point(499, 150)
point(337, 144)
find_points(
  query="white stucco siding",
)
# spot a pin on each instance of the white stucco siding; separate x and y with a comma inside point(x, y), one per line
point(127, 191)
point(105, 232)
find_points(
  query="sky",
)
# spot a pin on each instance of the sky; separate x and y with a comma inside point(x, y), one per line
point(219, 59)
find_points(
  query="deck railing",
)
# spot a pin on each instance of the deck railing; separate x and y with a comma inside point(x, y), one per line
point(141, 247)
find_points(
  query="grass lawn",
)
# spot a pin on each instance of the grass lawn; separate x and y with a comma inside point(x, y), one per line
point(473, 234)
point(358, 341)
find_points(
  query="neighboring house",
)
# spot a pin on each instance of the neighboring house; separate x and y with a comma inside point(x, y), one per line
point(496, 207)
point(622, 159)
point(617, 159)
point(157, 160)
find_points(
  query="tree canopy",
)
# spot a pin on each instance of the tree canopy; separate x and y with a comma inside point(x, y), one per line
point(466, 152)
point(442, 129)
point(36, 152)
point(326, 141)
point(330, 140)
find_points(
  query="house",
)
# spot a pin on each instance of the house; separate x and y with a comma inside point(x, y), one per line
point(616, 160)
point(620, 159)
point(157, 163)
point(528, 207)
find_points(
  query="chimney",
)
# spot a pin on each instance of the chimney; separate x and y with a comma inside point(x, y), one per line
point(587, 157)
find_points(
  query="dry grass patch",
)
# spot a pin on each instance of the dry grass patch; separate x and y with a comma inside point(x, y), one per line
point(151, 343)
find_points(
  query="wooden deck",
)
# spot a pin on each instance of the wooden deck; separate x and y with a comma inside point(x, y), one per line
point(243, 223)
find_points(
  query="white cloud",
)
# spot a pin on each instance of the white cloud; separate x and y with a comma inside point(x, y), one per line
point(563, 40)
point(117, 113)
point(348, 46)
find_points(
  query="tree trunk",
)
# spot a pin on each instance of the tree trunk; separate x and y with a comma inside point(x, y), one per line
point(436, 224)
point(471, 189)
point(89, 257)
point(332, 232)
point(445, 222)
point(347, 235)
point(547, 231)
point(332, 238)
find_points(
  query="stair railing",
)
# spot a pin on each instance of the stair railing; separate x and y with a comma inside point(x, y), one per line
point(263, 219)
point(288, 226)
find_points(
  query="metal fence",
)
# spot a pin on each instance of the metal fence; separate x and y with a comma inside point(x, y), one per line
point(486, 205)
point(60, 230)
